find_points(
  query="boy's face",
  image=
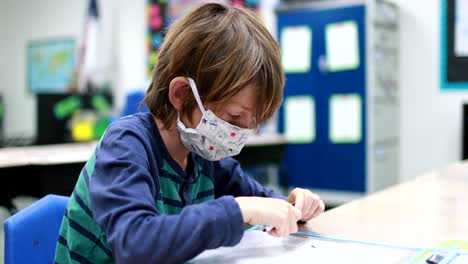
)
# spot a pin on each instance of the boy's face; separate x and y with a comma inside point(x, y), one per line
point(238, 110)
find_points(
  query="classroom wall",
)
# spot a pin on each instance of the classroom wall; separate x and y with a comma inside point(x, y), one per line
point(123, 44)
point(122, 48)
point(3, 27)
point(20, 105)
point(430, 118)
point(130, 43)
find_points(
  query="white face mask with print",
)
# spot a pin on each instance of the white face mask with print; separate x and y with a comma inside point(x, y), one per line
point(213, 138)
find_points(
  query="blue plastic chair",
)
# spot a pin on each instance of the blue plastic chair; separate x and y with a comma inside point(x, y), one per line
point(31, 234)
point(132, 102)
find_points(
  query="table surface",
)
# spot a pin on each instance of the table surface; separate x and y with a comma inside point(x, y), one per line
point(80, 152)
point(419, 213)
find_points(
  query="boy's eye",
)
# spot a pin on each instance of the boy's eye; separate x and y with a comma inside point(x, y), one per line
point(234, 116)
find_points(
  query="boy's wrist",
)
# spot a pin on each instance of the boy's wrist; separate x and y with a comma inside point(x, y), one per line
point(242, 202)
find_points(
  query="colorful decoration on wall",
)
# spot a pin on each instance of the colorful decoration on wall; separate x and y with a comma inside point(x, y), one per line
point(157, 21)
point(162, 13)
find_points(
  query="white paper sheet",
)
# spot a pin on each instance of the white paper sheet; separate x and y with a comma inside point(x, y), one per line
point(299, 119)
point(461, 259)
point(342, 46)
point(345, 118)
point(296, 49)
point(259, 247)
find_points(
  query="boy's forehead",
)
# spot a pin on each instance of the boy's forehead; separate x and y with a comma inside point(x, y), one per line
point(246, 98)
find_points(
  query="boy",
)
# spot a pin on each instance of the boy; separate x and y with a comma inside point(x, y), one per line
point(160, 186)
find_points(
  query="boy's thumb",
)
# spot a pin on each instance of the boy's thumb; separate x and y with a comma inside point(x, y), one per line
point(297, 213)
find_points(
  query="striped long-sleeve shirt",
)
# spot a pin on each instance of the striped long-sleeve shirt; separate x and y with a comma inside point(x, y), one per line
point(133, 203)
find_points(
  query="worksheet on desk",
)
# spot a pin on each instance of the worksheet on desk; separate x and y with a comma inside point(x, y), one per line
point(462, 259)
point(260, 247)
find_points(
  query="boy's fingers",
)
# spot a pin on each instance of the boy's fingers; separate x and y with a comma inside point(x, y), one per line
point(293, 228)
point(315, 206)
point(313, 203)
point(307, 212)
point(299, 200)
point(297, 213)
point(319, 209)
point(279, 231)
point(273, 233)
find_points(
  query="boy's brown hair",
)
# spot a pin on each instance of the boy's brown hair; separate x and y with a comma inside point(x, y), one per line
point(223, 49)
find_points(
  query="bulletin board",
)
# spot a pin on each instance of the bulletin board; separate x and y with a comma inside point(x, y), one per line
point(454, 44)
point(157, 20)
point(324, 111)
point(162, 13)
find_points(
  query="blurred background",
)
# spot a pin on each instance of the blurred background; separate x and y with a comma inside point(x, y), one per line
point(374, 95)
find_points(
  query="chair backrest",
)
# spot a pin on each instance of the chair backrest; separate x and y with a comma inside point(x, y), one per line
point(31, 234)
point(132, 103)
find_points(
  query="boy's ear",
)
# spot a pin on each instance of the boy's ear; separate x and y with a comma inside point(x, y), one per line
point(179, 89)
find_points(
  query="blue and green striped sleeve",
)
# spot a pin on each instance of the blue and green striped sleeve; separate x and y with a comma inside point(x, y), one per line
point(123, 188)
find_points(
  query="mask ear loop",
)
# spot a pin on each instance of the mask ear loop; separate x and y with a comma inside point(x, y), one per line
point(193, 86)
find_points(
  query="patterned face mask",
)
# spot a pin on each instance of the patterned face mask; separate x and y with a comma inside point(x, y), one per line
point(213, 138)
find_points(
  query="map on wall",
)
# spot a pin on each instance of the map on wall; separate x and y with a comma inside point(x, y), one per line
point(50, 65)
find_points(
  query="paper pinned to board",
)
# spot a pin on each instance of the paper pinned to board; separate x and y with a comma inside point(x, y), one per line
point(345, 118)
point(260, 247)
point(296, 49)
point(342, 45)
point(299, 119)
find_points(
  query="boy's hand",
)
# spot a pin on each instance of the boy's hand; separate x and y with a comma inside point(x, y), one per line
point(308, 202)
point(277, 213)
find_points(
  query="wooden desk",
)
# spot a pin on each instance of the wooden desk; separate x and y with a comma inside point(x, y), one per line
point(40, 170)
point(46, 154)
point(420, 213)
point(80, 152)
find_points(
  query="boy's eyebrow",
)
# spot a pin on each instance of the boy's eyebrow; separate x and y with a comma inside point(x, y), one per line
point(238, 103)
point(246, 108)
